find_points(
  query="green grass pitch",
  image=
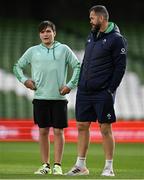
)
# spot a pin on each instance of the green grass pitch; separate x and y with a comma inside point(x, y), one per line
point(18, 160)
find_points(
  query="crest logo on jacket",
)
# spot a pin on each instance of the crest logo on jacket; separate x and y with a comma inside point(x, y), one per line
point(123, 51)
point(104, 41)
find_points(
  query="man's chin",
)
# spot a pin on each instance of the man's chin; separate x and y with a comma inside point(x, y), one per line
point(95, 29)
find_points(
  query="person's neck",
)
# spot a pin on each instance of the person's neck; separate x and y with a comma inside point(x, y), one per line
point(104, 26)
point(48, 45)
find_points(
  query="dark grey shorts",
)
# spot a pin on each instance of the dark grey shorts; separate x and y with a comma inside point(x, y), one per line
point(50, 113)
point(95, 106)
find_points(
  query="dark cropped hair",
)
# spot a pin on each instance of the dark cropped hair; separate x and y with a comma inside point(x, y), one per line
point(44, 24)
point(101, 10)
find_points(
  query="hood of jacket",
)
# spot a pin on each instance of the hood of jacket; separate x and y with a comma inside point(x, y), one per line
point(52, 47)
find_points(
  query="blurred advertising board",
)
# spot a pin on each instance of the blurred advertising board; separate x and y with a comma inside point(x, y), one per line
point(26, 130)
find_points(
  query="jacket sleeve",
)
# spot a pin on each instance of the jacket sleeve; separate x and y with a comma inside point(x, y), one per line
point(73, 61)
point(119, 55)
point(20, 65)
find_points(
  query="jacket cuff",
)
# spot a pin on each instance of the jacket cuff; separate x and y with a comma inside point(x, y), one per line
point(24, 79)
point(70, 85)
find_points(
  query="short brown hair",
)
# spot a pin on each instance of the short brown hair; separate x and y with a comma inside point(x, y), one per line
point(99, 9)
point(44, 24)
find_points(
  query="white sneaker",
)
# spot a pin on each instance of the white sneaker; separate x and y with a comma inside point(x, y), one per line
point(77, 171)
point(57, 170)
point(107, 172)
point(44, 169)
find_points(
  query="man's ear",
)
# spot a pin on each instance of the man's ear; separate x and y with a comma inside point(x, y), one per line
point(101, 18)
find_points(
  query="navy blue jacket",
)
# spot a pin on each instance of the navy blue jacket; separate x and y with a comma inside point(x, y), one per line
point(104, 62)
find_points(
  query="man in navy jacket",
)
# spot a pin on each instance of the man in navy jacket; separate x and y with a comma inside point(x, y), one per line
point(102, 70)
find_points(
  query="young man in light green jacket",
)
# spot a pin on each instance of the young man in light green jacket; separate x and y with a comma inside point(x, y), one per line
point(49, 63)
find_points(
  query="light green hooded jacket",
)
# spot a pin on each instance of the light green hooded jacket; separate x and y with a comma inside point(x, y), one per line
point(49, 69)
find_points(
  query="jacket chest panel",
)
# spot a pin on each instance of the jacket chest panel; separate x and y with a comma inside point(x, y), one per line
point(98, 49)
